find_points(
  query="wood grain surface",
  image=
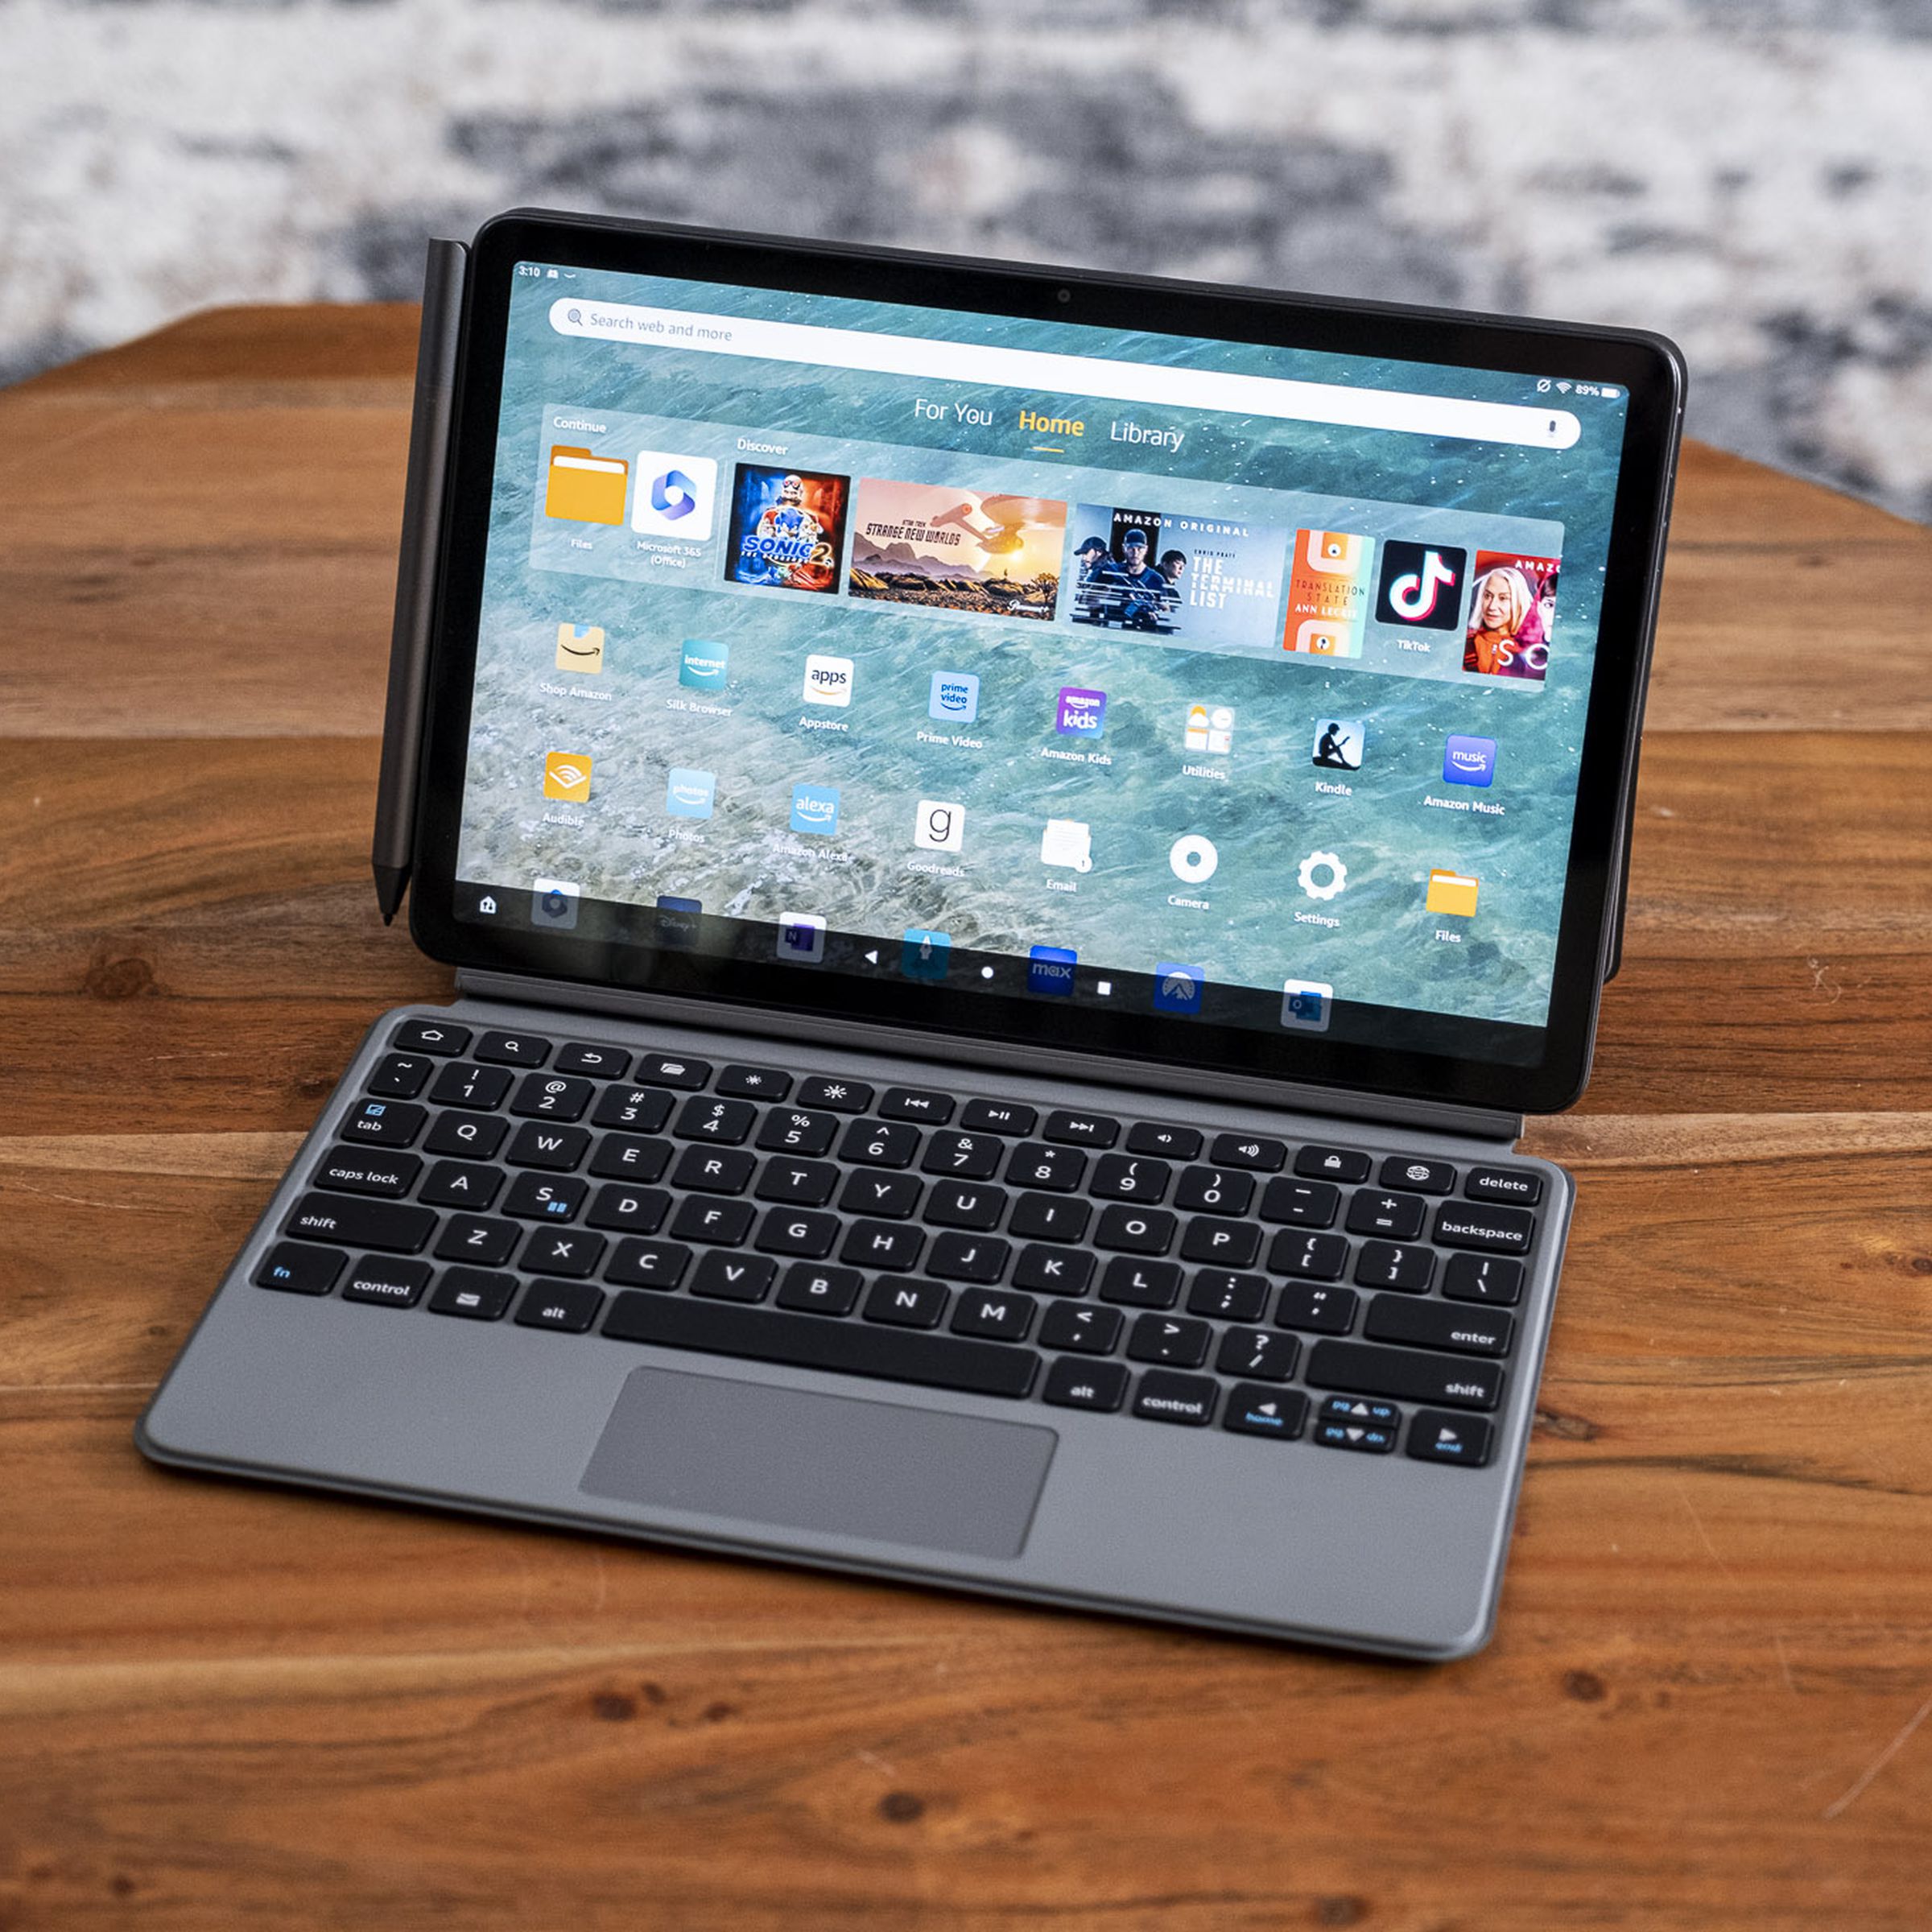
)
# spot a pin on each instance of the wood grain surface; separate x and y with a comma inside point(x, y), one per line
point(1709, 1702)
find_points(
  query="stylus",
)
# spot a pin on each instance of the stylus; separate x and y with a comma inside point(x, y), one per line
point(423, 493)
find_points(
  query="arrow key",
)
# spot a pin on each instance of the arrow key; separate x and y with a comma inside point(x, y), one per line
point(1254, 1410)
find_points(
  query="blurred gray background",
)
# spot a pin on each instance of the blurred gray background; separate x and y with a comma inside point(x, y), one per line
point(1753, 177)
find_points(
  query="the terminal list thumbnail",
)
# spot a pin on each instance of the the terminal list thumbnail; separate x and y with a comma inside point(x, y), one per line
point(786, 528)
point(1205, 581)
point(957, 549)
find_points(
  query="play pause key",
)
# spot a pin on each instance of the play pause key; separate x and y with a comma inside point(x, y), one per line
point(1254, 1409)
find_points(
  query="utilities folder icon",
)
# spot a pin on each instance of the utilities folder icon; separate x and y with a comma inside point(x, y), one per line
point(1452, 892)
point(584, 488)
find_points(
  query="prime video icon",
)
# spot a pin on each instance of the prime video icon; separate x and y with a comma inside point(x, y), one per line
point(955, 697)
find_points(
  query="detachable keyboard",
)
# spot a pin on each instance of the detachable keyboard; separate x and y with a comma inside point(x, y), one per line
point(957, 1240)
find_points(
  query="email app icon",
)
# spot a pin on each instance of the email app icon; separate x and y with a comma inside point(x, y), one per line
point(1453, 893)
point(584, 488)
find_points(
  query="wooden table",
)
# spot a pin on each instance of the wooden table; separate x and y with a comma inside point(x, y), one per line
point(1710, 1703)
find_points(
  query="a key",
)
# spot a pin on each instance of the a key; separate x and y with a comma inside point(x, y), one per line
point(464, 1083)
point(1384, 1265)
point(671, 1070)
point(754, 1082)
point(1396, 1217)
point(540, 1197)
point(906, 1304)
point(537, 1144)
point(883, 1245)
point(400, 1076)
point(734, 1277)
point(1135, 1230)
point(1483, 1277)
point(705, 1218)
point(1254, 1409)
point(1127, 1177)
point(956, 1256)
point(1437, 1436)
point(916, 1104)
point(563, 1307)
point(962, 1204)
point(438, 1036)
point(1233, 1298)
point(623, 1209)
point(891, 1196)
point(297, 1269)
point(599, 1062)
point(1320, 1311)
point(879, 1143)
point(640, 1264)
point(1418, 1176)
point(1405, 1375)
point(1247, 1150)
point(1170, 1143)
point(1176, 1341)
point(550, 1096)
point(384, 1123)
point(1214, 1190)
point(1303, 1203)
point(1507, 1184)
point(798, 1231)
point(1072, 1384)
point(1072, 1129)
point(513, 1049)
point(1321, 1257)
point(1141, 1284)
point(359, 1170)
point(1165, 1397)
point(1001, 1318)
point(566, 1251)
point(641, 1109)
point(1230, 1243)
point(796, 1130)
point(1463, 1331)
point(1473, 1224)
point(1340, 1164)
point(724, 1122)
point(467, 1136)
point(360, 1224)
point(997, 1116)
point(1045, 1217)
point(461, 1184)
point(821, 1291)
point(1060, 1169)
point(801, 1183)
point(714, 1170)
point(841, 1096)
point(1264, 1354)
point(386, 1282)
point(967, 1156)
point(470, 1292)
point(482, 1244)
point(1053, 1270)
point(1088, 1331)
point(625, 1157)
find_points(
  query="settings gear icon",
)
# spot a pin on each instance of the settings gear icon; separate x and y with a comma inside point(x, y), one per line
point(1314, 884)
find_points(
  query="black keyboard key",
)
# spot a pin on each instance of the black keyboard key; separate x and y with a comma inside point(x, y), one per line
point(464, 1083)
point(1419, 1176)
point(704, 1217)
point(1087, 1329)
point(1233, 1298)
point(1470, 1225)
point(299, 1269)
point(1045, 1217)
point(1436, 1436)
point(470, 1293)
point(883, 1245)
point(972, 1157)
point(355, 1170)
point(430, 1036)
point(1135, 1230)
point(1358, 1409)
point(1264, 1354)
point(1301, 1203)
point(821, 1291)
point(734, 1277)
point(1404, 1375)
point(1214, 1191)
point(1461, 1331)
point(386, 1282)
point(906, 1304)
point(568, 1251)
point(1141, 1284)
point(1320, 1310)
point(541, 1197)
point(671, 1069)
point(467, 1237)
point(556, 1149)
point(998, 1117)
point(1170, 1143)
point(619, 1208)
point(461, 1184)
point(1384, 1265)
point(642, 1109)
point(841, 1096)
point(1127, 1177)
point(513, 1049)
point(879, 1143)
point(466, 1136)
point(798, 1183)
point(360, 1224)
point(802, 1341)
point(400, 1076)
point(626, 1157)
point(714, 1170)
point(1060, 1169)
point(1175, 1341)
point(1395, 1217)
point(1053, 1270)
point(798, 1231)
point(1365, 1438)
point(1508, 1184)
point(1164, 1397)
point(1071, 1384)
point(550, 1096)
point(1000, 1318)
point(893, 1196)
point(1319, 1258)
point(599, 1062)
point(1247, 1150)
point(728, 1123)
point(1069, 1128)
point(1230, 1243)
point(1340, 1164)
point(916, 1104)
point(384, 1123)
point(962, 1204)
point(1254, 1410)
point(796, 1130)
point(967, 1257)
point(638, 1264)
point(754, 1082)
point(563, 1307)
point(1483, 1277)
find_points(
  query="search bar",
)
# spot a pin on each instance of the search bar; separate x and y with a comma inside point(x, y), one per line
point(1069, 377)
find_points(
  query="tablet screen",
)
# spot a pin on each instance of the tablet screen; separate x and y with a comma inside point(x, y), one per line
point(1221, 686)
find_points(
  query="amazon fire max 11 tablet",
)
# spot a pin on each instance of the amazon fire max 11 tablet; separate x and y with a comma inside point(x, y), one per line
point(1016, 844)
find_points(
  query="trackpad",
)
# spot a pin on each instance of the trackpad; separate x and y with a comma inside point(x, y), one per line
point(837, 1463)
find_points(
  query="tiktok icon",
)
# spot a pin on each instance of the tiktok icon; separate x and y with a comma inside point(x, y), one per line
point(1422, 586)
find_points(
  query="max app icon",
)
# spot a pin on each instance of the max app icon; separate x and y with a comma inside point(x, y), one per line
point(580, 647)
point(677, 496)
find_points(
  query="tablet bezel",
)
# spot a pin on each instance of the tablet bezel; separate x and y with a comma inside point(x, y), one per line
point(1649, 367)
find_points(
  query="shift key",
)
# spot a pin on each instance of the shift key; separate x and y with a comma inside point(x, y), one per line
point(1404, 1375)
point(358, 1223)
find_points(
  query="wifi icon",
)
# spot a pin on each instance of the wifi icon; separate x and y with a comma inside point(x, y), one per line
point(1564, 387)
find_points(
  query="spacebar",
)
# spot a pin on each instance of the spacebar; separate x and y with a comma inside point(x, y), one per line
point(814, 1341)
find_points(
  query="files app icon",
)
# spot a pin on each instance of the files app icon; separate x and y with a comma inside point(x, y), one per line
point(586, 488)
